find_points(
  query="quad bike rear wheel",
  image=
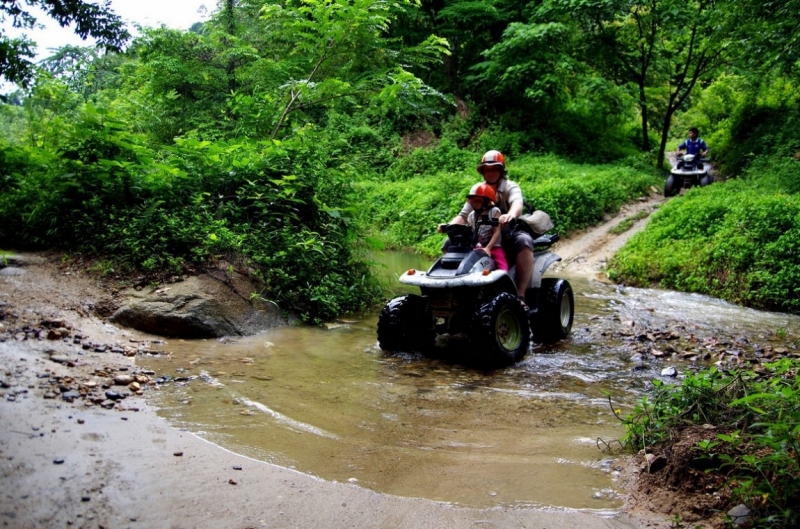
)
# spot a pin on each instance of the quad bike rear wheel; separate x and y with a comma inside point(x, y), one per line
point(556, 311)
point(406, 324)
point(502, 331)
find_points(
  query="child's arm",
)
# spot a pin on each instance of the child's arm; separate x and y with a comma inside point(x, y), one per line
point(495, 232)
point(493, 241)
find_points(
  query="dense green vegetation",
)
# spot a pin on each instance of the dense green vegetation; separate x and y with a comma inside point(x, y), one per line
point(730, 241)
point(755, 445)
point(285, 136)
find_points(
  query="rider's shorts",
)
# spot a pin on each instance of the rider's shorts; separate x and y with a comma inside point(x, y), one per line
point(514, 242)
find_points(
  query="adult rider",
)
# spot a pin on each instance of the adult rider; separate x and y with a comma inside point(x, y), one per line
point(516, 243)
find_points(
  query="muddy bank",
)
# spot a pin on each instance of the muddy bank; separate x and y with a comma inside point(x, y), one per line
point(91, 460)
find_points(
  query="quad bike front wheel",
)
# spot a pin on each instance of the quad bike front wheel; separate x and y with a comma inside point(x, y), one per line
point(705, 180)
point(671, 186)
point(406, 324)
point(502, 331)
point(556, 311)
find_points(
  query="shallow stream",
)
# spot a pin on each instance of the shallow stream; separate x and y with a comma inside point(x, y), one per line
point(330, 403)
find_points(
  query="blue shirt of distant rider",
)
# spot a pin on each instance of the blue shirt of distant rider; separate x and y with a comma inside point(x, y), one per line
point(693, 144)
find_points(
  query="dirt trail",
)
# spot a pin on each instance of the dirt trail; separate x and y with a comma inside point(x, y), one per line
point(586, 253)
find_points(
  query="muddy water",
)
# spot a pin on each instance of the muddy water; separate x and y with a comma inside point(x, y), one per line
point(329, 402)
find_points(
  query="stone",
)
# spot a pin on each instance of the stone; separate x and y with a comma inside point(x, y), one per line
point(123, 380)
point(113, 395)
point(71, 395)
point(203, 306)
point(739, 514)
point(669, 372)
point(60, 359)
point(654, 462)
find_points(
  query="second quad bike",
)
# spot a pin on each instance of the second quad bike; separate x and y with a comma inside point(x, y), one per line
point(691, 170)
point(462, 293)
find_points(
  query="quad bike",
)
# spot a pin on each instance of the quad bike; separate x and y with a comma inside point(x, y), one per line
point(690, 171)
point(462, 293)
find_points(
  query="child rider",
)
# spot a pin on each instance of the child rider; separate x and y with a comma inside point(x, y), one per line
point(481, 197)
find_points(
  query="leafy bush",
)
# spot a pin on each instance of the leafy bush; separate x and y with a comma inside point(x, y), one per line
point(282, 206)
point(444, 157)
point(743, 121)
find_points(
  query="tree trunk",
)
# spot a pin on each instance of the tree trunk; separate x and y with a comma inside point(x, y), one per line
point(662, 148)
point(230, 69)
point(643, 106)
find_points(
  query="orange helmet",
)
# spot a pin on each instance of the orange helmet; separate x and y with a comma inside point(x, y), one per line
point(492, 158)
point(483, 190)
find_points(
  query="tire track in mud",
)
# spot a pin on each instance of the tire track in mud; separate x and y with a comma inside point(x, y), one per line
point(586, 253)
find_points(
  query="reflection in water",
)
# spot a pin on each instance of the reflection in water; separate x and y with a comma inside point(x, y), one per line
point(329, 402)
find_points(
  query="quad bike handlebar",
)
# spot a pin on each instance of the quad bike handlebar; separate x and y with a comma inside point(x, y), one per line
point(461, 235)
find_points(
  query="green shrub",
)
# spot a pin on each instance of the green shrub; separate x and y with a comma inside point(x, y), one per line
point(425, 162)
point(743, 121)
point(284, 207)
point(729, 240)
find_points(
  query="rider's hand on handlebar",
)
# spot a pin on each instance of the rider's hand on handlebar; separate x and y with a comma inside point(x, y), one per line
point(505, 218)
point(440, 228)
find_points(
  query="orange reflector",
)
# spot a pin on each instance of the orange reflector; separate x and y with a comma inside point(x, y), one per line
point(487, 272)
point(412, 272)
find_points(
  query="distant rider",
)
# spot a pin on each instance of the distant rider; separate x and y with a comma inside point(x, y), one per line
point(693, 144)
point(516, 243)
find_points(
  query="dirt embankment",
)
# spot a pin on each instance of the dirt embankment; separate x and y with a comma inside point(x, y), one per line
point(80, 447)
